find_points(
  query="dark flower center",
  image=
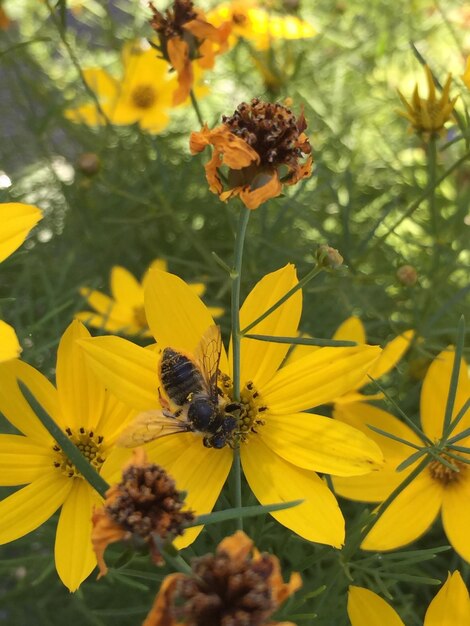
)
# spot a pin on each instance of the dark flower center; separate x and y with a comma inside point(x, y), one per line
point(143, 96)
point(270, 129)
point(226, 593)
point(443, 473)
point(89, 444)
point(170, 23)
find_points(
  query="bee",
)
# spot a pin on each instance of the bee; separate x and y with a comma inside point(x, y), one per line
point(191, 385)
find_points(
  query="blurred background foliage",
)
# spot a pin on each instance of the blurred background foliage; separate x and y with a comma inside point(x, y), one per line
point(148, 199)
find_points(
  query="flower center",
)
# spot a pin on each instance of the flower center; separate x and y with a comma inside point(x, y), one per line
point(444, 474)
point(239, 19)
point(248, 412)
point(140, 319)
point(143, 96)
point(89, 444)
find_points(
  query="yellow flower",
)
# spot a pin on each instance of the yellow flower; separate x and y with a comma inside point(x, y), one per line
point(428, 116)
point(466, 74)
point(249, 21)
point(281, 446)
point(16, 221)
point(450, 607)
point(92, 418)
point(353, 329)
point(124, 312)
point(202, 595)
point(260, 144)
point(437, 487)
point(143, 95)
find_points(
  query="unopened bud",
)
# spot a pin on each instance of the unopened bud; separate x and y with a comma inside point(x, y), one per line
point(89, 163)
point(329, 257)
point(407, 275)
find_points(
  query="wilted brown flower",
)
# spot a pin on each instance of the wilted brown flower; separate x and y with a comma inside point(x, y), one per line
point(143, 504)
point(428, 115)
point(261, 144)
point(237, 586)
point(185, 36)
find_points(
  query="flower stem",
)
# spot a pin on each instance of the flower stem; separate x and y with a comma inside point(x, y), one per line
point(235, 275)
point(196, 108)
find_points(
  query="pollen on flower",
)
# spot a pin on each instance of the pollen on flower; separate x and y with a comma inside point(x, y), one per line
point(248, 411)
point(143, 96)
point(89, 444)
point(444, 474)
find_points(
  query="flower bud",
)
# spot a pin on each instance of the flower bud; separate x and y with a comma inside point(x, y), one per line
point(88, 163)
point(328, 257)
point(407, 275)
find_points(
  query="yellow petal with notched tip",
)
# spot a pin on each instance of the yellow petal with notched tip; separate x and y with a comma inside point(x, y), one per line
point(408, 516)
point(274, 480)
point(366, 608)
point(74, 556)
point(319, 443)
point(81, 393)
point(260, 359)
point(456, 513)
point(126, 288)
point(176, 316)
point(451, 605)
point(127, 370)
point(105, 323)
point(9, 345)
point(22, 460)
point(199, 471)
point(351, 329)
point(318, 378)
point(435, 391)
point(14, 406)
point(16, 220)
point(107, 307)
point(391, 354)
point(31, 506)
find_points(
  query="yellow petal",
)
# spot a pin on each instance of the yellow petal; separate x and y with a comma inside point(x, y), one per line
point(451, 605)
point(108, 324)
point(391, 354)
point(81, 394)
point(376, 486)
point(108, 308)
point(318, 378)
point(351, 329)
point(199, 471)
point(154, 120)
point(115, 417)
point(9, 345)
point(466, 74)
point(274, 480)
point(101, 83)
point(408, 516)
point(319, 443)
point(127, 370)
point(126, 288)
point(435, 391)
point(74, 556)
point(456, 514)
point(366, 608)
point(31, 506)
point(16, 221)
point(261, 359)
point(14, 406)
point(22, 460)
point(176, 316)
point(87, 114)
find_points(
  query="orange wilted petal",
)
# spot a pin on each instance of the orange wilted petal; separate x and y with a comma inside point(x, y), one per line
point(161, 613)
point(178, 52)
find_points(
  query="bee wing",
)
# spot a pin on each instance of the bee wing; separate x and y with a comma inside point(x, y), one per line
point(151, 425)
point(207, 355)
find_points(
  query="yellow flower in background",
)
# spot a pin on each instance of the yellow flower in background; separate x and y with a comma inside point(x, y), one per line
point(124, 311)
point(428, 116)
point(437, 488)
point(450, 606)
point(353, 329)
point(466, 74)
point(259, 26)
point(93, 420)
point(143, 95)
point(281, 446)
point(16, 221)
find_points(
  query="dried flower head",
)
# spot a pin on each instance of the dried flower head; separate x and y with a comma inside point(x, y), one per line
point(184, 36)
point(237, 586)
point(428, 116)
point(261, 144)
point(144, 503)
point(328, 257)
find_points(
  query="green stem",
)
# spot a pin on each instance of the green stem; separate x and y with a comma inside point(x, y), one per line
point(235, 275)
point(196, 108)
point(68, 448)
point(307, 278)
point(432, 185)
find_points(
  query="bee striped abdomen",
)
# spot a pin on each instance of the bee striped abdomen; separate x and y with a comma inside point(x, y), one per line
point(179, 376)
